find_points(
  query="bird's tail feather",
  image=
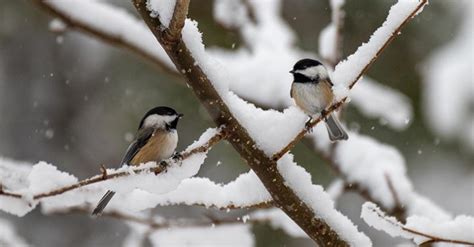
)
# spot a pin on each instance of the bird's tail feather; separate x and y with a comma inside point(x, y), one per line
point(335, 130)
point(103, 203)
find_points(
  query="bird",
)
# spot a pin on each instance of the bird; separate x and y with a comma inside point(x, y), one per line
point(156, 140)
point(312, 92)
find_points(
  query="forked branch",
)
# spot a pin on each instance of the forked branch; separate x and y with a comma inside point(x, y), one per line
point(263, 166)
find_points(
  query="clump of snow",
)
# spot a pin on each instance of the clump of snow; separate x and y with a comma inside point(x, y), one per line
point(113, 21)
point(212, 236)
point(368, 163)
point(336, 189)
point(319, 201)
point(230, 13)
point(448, 84)
point(245, 190)
point(328, 42)
point(163, 9)
point(347, 70)
point(272, 130)
point(46, 177)
point(377, 100)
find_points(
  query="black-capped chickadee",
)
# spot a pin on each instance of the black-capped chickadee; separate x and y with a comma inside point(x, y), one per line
point(312, 92)
point(156, 140)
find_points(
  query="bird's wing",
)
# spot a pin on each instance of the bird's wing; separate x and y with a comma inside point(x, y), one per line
point(142, 138)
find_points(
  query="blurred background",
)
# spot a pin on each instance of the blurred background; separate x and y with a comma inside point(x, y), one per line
point(75, 102)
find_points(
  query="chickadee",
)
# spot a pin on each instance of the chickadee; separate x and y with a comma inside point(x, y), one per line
point(156, 140)
point(312, 92)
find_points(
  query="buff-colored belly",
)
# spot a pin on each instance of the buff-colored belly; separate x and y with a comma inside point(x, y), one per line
point(159, 147)
point(312, 98)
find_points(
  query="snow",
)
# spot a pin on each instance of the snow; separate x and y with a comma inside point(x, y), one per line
point(13, 177)
point(347, 70)
point(336, 188)
point(245, 190)
point(460, 228)
point(327, 42)
point(449, 84)
point(113, 21)
point(379, 101)
point(9, 236)
point(230, 13)
point(163, 9)
point(225, 235)
point(46, 177)
point(367, 162)
point(320, 202)
point(376, 218)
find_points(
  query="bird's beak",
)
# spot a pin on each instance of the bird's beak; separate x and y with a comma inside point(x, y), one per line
point(292, 71)
point(180, 115)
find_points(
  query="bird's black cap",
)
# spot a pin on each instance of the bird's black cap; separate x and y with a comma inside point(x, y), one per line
point(160, 110)
point(305, 63)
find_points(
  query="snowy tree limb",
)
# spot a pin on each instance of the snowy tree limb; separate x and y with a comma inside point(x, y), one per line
point(157, 169)
point(113, 37)
point(265, 168)
point(454, 231)
point(338, 104)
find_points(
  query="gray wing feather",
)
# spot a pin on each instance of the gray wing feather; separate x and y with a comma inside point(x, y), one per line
point(135, 146)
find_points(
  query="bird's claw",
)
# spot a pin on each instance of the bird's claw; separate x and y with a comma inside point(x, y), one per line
point(177, 157)
point(307, 126)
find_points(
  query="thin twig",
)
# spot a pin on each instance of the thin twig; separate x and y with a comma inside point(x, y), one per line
point(158, 168)
point(165, 223)
point(435, 239)
point(173, 32)
point(338, 104)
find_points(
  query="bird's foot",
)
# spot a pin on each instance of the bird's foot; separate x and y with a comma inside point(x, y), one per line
point(307, 126)
point(177, 157)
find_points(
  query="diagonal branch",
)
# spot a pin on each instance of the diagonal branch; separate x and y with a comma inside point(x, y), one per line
point(265, 168)
point(337, 105)
point(157, 169)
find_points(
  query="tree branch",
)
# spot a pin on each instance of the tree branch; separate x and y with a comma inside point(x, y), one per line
point(264, 167)
point(335, 106)
point(165, 223)
point(173, 33)
point(157, 169)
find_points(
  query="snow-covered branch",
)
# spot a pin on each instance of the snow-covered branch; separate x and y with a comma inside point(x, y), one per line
point(421, 230)
point(45, 181)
